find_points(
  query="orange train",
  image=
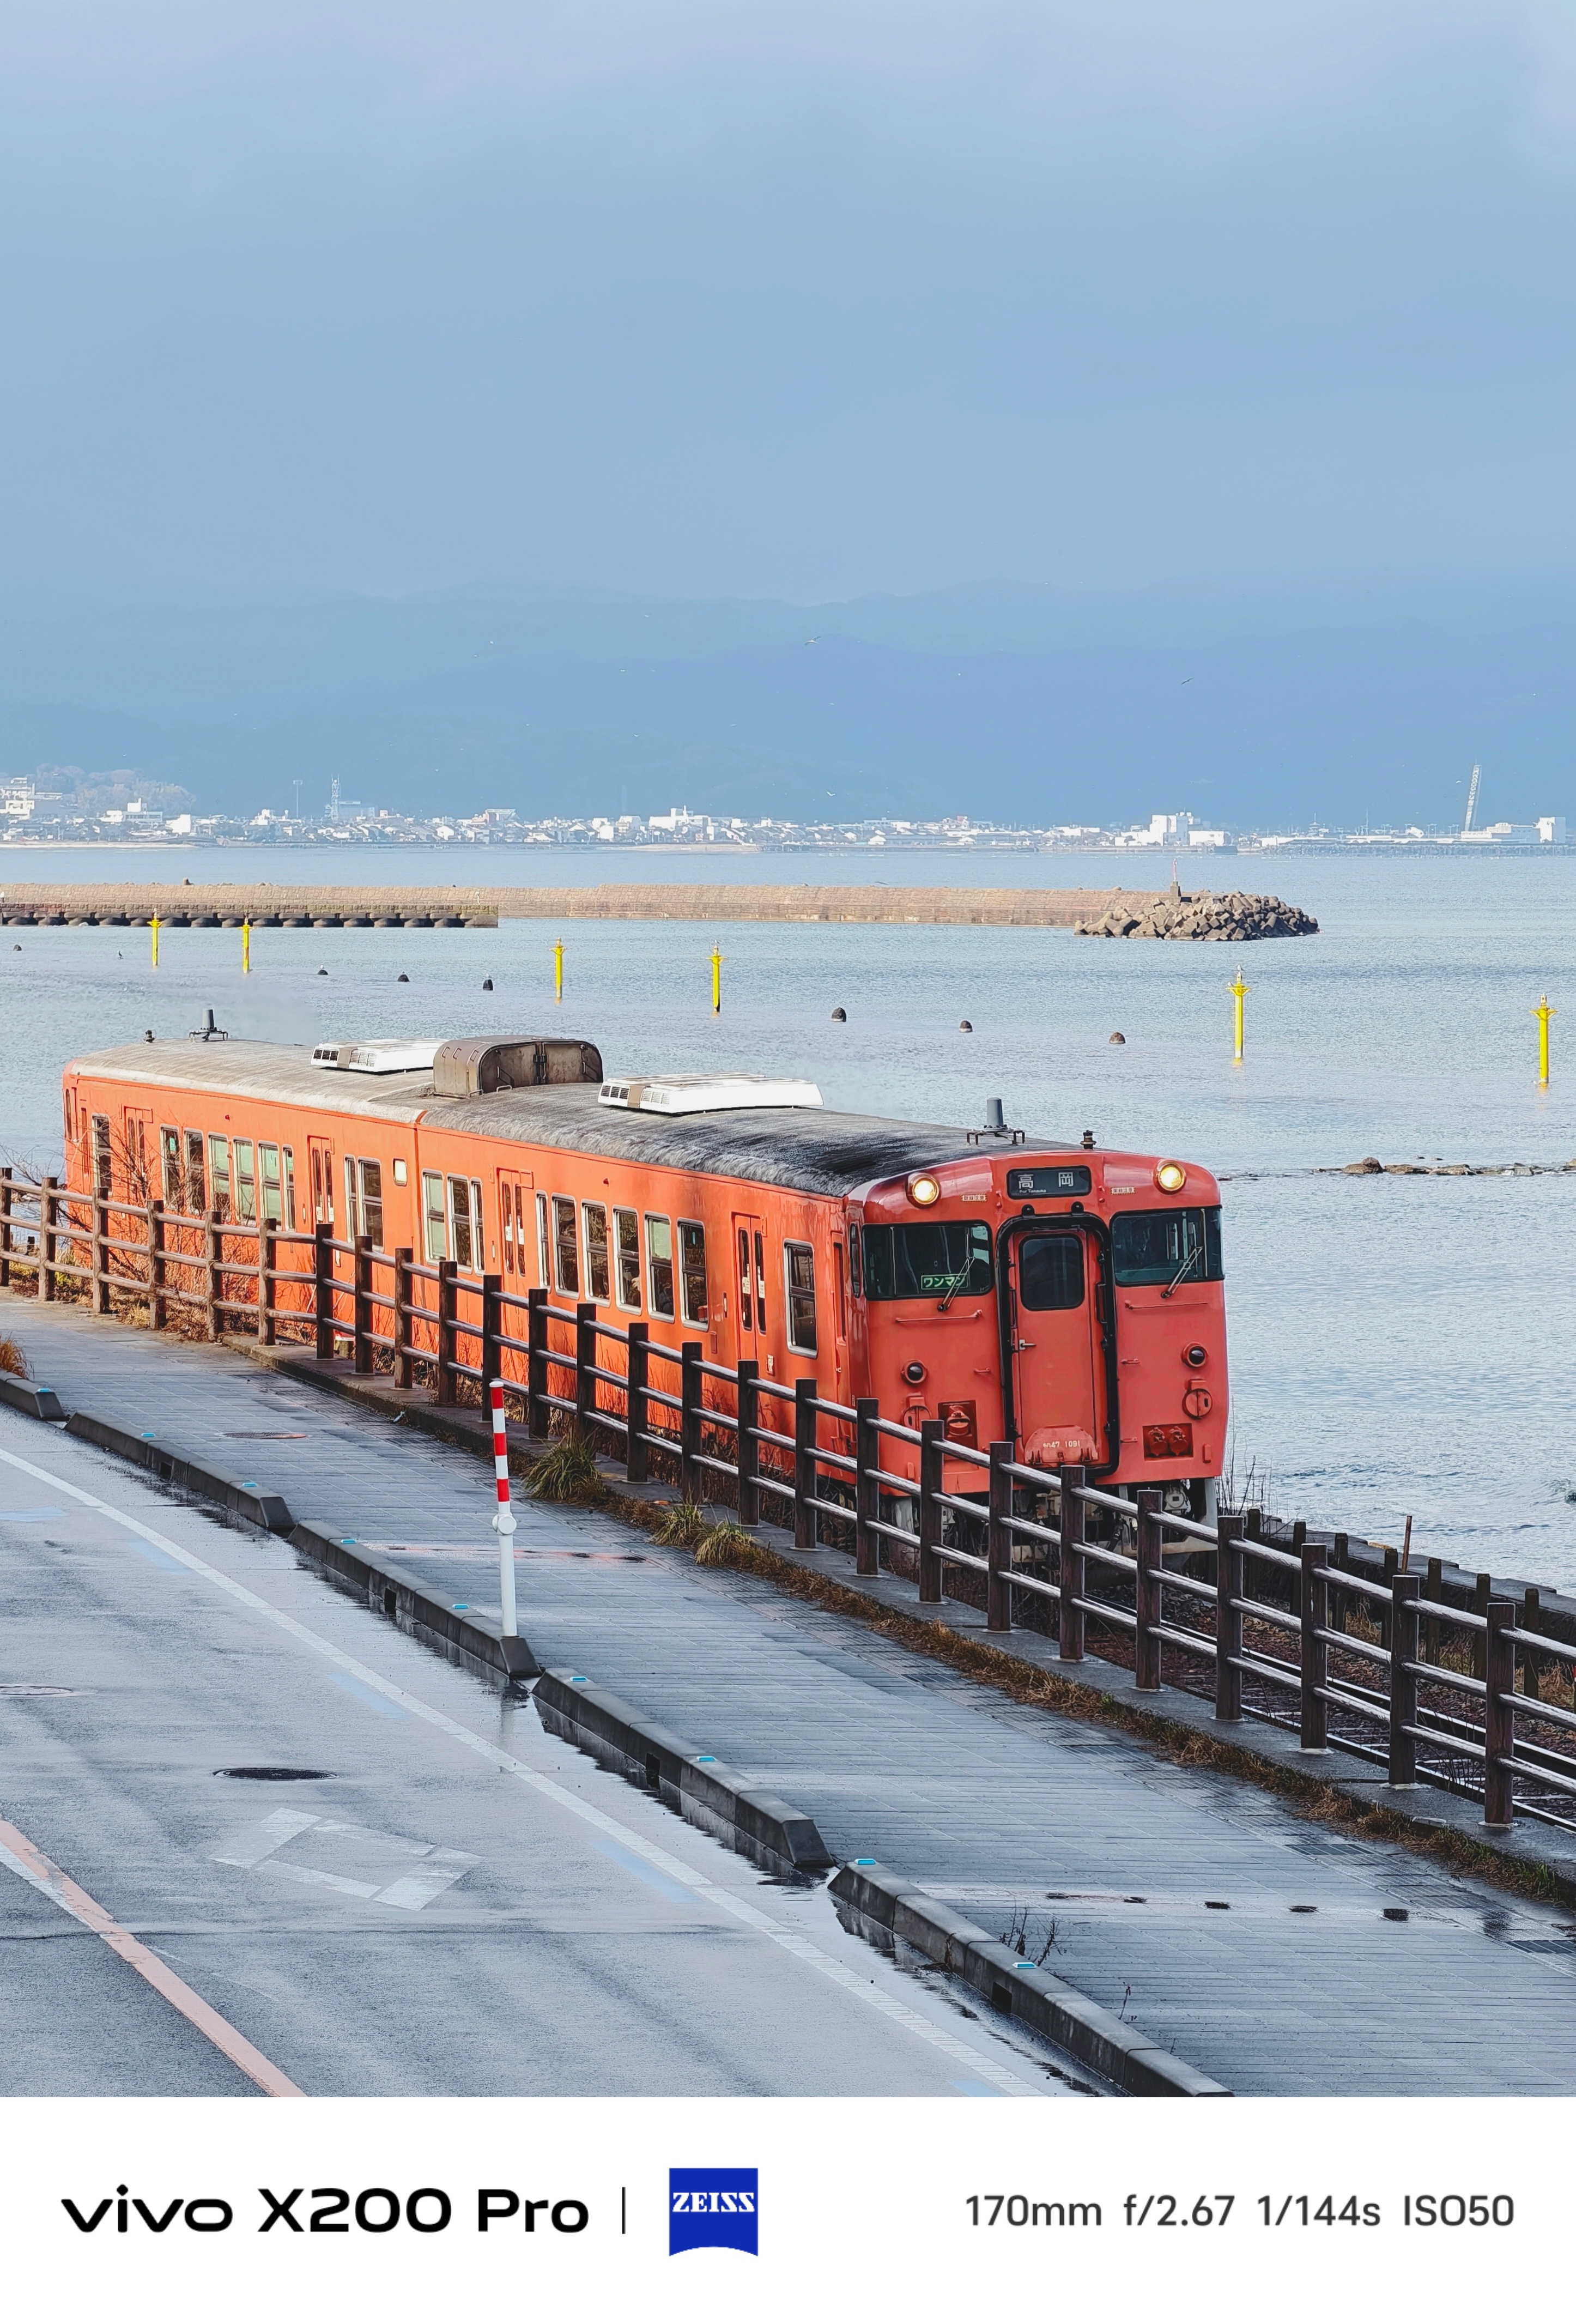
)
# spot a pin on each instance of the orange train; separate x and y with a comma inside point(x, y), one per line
point(1065, 1297)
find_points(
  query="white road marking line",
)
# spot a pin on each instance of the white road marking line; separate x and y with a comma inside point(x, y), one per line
point(259, 1841)
point(800, 1948)
point(34, 1867)
point(256, 1850)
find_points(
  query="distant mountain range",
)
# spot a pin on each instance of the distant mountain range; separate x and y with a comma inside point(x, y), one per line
point(1268, 706)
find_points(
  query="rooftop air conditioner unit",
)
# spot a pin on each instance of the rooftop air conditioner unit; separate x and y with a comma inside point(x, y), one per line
point(706, 1094)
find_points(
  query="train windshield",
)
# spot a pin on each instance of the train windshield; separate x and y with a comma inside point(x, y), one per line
point(1163, 1246)
point(926, 1262)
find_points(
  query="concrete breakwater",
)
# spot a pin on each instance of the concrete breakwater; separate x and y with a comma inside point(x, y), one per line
point(1089, 910)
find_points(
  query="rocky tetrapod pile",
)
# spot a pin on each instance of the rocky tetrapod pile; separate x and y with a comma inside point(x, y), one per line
point(1202, 919)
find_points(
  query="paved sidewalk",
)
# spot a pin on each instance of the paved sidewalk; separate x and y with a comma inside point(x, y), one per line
point(1276, 1956)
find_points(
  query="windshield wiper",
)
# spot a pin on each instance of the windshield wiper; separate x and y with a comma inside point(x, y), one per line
point(1194, 1255)
point(954, 1286)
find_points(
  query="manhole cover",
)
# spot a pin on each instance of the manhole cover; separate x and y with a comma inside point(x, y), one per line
point(274, 1775)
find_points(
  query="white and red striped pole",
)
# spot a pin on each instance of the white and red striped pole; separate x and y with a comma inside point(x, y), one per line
point(505, 1518)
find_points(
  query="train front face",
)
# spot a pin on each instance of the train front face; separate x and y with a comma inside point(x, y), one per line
point(1074, 1304)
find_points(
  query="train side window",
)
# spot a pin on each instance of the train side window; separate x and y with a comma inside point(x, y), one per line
point(287, 1160)
point(593, 1227)
point(856, 1262)
point(245, 1180)
point(626, 1237)
point(169, 1155)
point(103, 1158)
point(506, 1196)
point(465, 1222)
point(746, 1304)
point(219, 1175)
point(434, 1218)
point(322, 1155)
point(542, 1275)
point(660, 1266)
point(363, 1187)
point(760, 1284)
point(196, 1179)
point(269, 1180)
point(837, 1284)
point(692, 1252)
point(566, 1251)
point(799, 1267)
point(1050, 1270)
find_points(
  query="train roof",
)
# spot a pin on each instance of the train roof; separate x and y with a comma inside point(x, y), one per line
point(810, 1150)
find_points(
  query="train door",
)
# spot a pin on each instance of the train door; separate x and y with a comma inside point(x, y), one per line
point(749, 1288)
point(320, 1168)
point(1055, 1317)
point(141, 1172)
point(518, 1270)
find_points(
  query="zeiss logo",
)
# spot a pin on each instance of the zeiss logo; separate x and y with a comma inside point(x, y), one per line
point(713, 2206)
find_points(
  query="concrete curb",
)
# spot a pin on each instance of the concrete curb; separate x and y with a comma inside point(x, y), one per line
point(699, 1786)
point(251, 1501)
point(26, 1395)
point(347, 1564)
point(868, 1894)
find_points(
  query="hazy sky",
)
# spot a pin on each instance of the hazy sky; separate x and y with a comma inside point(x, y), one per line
point(800, 296)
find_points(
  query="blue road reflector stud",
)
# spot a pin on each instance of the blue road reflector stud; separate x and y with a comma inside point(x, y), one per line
point(862, 1862)
point(706, 1760)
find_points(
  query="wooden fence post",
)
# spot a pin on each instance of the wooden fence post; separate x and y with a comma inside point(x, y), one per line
point(157, 1306)
point(1314, 1609)
point(1500, 1715)
point(404, 1290)
point(749, 1461)
point(1071, 1572)
point(212, 1255)
point(1230, 1573)
point(1405, 1592)
point(931, 1456)
point(361, 1307)
point(1434, 1589)
point(1146, 1593)
point(7, 1194)
point(586, 1365)
point(636, 1464)
point(491, 1333)
point(867, 1491)
point(323, 1291)
point(1529, 1660)
point(691, 1479)
point(999, 1540)
point(537, 1412)
point(267, 1280)
point(448, 1331)
point(1483, 1585)
point(805, 1477)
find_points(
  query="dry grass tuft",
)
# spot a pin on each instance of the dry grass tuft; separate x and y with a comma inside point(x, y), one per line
point(682, 1525)
point(567, 1471)
point(725, 1543)
point(13, 1359)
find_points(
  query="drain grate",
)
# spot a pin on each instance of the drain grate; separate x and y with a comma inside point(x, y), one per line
point(274, 1775)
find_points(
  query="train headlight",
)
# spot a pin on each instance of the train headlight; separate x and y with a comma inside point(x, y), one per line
point(1170, 1178)
point(924, 1190)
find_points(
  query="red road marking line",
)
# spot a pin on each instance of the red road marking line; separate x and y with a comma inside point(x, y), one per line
point(81, 1906)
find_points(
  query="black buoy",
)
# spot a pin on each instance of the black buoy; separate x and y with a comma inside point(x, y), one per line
point(965, 1026)
point(148, 1035)
point(1119, 1041)
point(840, 1015)
point(402, 978)
point(487, 984)
point(322, 971)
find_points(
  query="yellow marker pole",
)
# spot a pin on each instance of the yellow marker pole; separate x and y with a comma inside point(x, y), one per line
point(153, 931)
point(1238, 993)
point(1542, 1012)
point(246, 948)
point(559, 970)
point(716, 983)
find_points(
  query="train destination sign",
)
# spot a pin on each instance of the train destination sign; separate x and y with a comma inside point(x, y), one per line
point(1065, 1178)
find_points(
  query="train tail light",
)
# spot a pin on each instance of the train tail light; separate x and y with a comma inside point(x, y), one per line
point(1171, 1440)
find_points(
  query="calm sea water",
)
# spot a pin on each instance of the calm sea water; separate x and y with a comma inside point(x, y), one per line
point(1399, 1344)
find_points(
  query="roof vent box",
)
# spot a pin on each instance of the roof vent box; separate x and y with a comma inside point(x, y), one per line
point(478, 1066)
point(706, 1094)
point(375, 1056)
